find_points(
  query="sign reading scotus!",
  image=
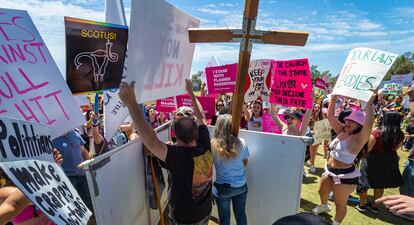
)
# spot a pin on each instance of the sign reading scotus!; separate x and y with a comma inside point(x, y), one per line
point(26, 157)
point(95, 54)
point(31, 85)
point(363, 70)
point(160, 54)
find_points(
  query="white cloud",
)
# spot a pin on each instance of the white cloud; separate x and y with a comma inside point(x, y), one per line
point(213, 11)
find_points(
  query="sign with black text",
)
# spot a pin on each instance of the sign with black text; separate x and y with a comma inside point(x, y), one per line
point(26, 156)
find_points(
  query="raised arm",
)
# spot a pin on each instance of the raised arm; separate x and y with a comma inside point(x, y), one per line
point(333, 121)
point(198, 109)
point(305, 122)
point(364, 135)
point(247, 115)
point(145, 131)
point(274, 109)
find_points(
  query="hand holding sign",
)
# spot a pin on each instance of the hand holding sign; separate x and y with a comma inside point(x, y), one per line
point(127, 93)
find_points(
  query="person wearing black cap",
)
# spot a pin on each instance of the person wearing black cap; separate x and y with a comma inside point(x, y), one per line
point(293, 119)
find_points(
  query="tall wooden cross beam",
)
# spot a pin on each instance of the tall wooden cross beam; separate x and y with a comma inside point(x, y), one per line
point(246, 36)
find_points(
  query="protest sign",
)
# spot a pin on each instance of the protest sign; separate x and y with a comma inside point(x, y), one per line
point(405, 79)
point(258, 73)
point(166, 104)
point(291, 83)
point(212, 63)
point(320, 90)
point(160, 53)
point(392, 89)
point(363, 70)
point(208, 104)
point(31, 85)
point(82, 100)
point(221, 79)
point(269, 125)
point(322, 131)
point(95, 54)
point(26, 157)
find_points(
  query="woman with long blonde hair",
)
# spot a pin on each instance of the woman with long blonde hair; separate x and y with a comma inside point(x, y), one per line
point(230, 155)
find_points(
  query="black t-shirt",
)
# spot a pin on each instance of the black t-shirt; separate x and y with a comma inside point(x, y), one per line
point(191, 170)
point(410, 129)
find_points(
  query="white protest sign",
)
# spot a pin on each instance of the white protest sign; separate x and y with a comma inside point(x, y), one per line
point(405, 79)
point(258, 72)
point(160, 53)
point(212, 63)
point(322, 131)
point(32, 87)
point(26, 158)
point(114, 110)
point(82, 100)
point(363, 70)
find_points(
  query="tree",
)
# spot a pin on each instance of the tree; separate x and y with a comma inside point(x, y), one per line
point(404, 64)
point(196, 79)
point(315, 73)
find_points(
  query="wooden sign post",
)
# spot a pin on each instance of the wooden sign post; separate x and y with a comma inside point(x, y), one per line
point(246, 36)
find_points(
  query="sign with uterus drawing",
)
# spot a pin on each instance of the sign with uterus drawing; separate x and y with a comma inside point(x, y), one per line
point(95, 55)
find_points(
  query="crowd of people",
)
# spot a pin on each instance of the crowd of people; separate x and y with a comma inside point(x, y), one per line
point(362, 155)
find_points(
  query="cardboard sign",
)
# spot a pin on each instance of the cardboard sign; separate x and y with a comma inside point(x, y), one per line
point(166, 104)
point(291, 83)
point(208, 104)
point(212, 63)
point(405, 79)
point(269, 125)
point(221, 79)
point(95, 54)
point(31, 85)
point(258, 72)
point(26, 158)
point(160, 54)
point(363, 70)
point(392, 89)
point(322, 131)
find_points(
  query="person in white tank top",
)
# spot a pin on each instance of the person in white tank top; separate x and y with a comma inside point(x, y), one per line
point(254, 116)
point(341, 176)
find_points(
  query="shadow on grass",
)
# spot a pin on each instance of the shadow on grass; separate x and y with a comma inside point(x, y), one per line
point(307, 206)
point(385, 216)
point(309, 180)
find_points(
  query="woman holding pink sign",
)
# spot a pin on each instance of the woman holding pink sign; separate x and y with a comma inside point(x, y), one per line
point(341, 175)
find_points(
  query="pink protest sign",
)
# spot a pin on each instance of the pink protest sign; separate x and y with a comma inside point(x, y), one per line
point(269, 125)
point(221, 79)
point(166, 104)
point(291, 83)
point(32, 88)
point(321, 84)
point(208, 104)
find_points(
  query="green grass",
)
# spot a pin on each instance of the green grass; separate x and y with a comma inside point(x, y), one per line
point(310, 198)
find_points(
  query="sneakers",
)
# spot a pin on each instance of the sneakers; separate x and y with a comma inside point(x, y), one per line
point(361, 208)
point(321, 209)
point(372, 208)
point(304, 173)
point(312, 169)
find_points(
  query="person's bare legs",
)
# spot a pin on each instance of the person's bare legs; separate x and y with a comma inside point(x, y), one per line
point(324, 189)
point(363, 198)
point(313, 150)
point(341, 194)
point(377, 194)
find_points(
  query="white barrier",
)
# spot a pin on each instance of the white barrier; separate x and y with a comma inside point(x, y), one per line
point(274, 177)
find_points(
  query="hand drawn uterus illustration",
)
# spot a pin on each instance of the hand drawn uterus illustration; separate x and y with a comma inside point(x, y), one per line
point(99, 59)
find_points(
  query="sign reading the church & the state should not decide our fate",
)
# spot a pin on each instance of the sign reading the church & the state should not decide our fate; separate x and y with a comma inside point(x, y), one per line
point(363, 71)
point(26, 156)
point(291, 83)
point(95, 54)
point(159, 51)
point(31, 85)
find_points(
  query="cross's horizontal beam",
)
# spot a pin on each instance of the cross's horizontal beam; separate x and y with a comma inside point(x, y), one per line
point(279, 37)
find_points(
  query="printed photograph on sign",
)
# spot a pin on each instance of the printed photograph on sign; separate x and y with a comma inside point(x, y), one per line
point(95, 54)
point(32, 87)
point(363, 70)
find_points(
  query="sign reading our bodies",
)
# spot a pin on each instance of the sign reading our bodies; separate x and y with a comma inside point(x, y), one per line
point(363, 70)
point(291, 83)
point(26, 157)
point(160, 54)
point(31, 86)
point(95, 54)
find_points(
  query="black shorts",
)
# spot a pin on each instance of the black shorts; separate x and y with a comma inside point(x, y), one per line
point(344, 171)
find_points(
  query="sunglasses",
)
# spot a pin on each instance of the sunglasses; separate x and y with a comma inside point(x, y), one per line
point(287, 117)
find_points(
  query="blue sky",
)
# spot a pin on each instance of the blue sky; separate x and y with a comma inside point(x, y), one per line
point(335, 26)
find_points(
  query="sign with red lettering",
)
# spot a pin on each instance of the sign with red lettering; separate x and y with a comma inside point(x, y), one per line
point(221, 79)
point(95, 54)
point(363, 70)
point(31, 85)
point(258, 73)
point(166, 104)
point(26, 156)
point(160, 53)
point(208, 104)
point(291, 83)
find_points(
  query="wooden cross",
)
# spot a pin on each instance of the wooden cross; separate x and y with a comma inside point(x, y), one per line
point(246, 36)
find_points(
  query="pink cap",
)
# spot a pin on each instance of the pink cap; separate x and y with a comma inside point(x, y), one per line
point(357, 116)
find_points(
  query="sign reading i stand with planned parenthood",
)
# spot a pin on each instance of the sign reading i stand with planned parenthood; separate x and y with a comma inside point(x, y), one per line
point(160, 54)
point(31, 85)
point(26, 158)
point(363, 70)
point(95, 54)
